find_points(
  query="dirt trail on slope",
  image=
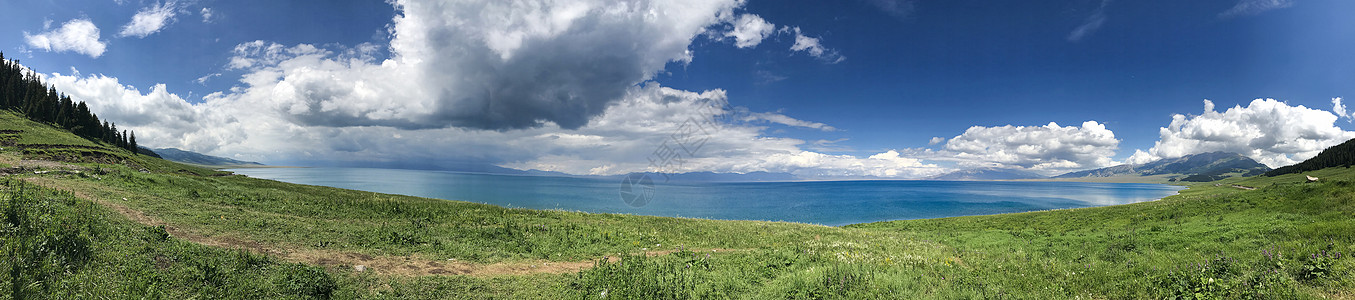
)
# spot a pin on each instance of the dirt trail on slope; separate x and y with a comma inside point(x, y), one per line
point(383, 265)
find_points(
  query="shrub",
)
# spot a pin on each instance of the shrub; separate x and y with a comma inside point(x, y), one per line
point(308, 281)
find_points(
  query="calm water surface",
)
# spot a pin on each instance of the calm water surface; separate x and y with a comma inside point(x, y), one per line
point(825, 202)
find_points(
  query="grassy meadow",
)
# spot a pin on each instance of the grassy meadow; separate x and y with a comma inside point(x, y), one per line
point(84, 220)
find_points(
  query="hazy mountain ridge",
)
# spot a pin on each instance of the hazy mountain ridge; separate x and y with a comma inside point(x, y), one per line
point(1195, 167)
point(189, 157)
point(987, 174)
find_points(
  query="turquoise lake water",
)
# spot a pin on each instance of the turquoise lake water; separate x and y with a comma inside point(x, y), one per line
point(831, 203)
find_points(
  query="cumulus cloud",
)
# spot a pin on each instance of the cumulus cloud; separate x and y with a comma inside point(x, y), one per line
point(1048, 148)
point(1141, 157)
point(156, 113)
point(936, 140)
point(497, 65)
point(1091, 24)
point(1271, 132)
point(78, 35)
point(150, 20)
point(749, 30)
point(1254, 7)
point(811, 46)
point(486, 64)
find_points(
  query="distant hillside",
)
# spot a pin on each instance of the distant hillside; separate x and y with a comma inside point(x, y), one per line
point(190, 157)
point(987, 174)
point(1342, 155)
point(1196, 168)
point(147, 152)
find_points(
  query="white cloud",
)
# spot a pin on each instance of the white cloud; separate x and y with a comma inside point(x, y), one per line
point(812, 46)
point(78, 35)
point(203, 80)
point(1141, 157)
point(156, 113)
point(1339, 109)
point(149, 20)
point(749, 30)
point(785, 120)
point(936, 140)
point(207, 14)
point(829, 145)
point(1254, 7)
point(1047, 149)
point(1091, 24)
point(1271, 132)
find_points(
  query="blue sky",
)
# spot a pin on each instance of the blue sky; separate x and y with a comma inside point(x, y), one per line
point(472, 82)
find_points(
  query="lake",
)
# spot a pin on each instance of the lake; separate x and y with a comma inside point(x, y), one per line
point(831, 203)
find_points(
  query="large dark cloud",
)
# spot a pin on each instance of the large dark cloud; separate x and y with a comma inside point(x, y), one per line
point(494, 65)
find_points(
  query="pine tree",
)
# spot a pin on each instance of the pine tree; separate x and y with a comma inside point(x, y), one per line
point(131, 140)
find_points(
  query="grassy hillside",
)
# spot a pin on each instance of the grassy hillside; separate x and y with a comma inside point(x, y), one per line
point(22, 138)
point(121, 225)
point(1284, 239)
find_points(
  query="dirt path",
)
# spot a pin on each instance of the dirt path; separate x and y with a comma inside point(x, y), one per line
point(383, 265)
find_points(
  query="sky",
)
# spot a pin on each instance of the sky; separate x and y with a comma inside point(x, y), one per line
point(820, 89)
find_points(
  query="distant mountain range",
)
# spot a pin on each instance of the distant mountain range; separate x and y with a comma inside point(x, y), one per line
point(190, 157)
point(987, 174)
point(1195, 167)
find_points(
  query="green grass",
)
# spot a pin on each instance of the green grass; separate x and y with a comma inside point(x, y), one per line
point(1279, 241)
point(35, 133)
point(59, 246)
point(1217, 242)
